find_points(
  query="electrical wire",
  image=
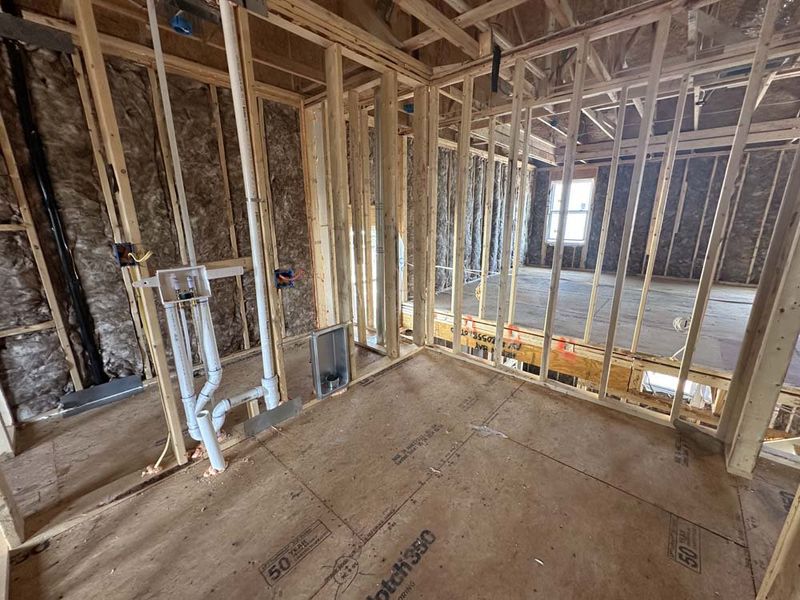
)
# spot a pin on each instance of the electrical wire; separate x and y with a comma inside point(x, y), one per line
point(299, 274)
point(141, 259)
point(164, 453)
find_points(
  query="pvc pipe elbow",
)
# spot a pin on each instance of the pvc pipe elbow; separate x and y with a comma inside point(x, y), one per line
point(271, 393)
point(219, 413)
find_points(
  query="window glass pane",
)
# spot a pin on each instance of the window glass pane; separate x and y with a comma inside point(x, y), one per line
point(580, 197)
point(552, 226)
point(576, 227)
point(556, 196)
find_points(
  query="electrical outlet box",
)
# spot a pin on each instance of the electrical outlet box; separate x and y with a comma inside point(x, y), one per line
point(123, 254)
point(183, 284)
point(284, 278)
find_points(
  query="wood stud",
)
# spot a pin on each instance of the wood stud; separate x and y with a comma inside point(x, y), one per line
point(460, 217)
point(657, 58)
point(566, 181)
point(609, 201)
point(723, 205)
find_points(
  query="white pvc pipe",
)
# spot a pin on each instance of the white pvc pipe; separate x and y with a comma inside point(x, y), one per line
point(183, 368)
point(173, 141)
point(187, 340)
point(210, 441)
point(223, 406)
point(213, 365)
point(270, 381)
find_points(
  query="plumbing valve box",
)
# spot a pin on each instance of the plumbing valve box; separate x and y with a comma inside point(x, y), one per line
point(183, 284)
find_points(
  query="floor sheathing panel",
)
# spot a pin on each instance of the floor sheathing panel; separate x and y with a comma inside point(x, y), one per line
point(396, 481)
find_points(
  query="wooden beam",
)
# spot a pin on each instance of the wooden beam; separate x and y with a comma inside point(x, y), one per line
point(111, 210)
point(772, 331)
point(421, 173)
point(265, 57)
point(732, 216)
point(703, 218)
point(582, 53)
point(339, 186)
point(709, 63)
point(604, 227)
point(782, 577)
point(460, 217)
point(365, 13)
point(169, 170)
point(488, 209)
point(402, 215)
point(143, 55)
point(12, 525)
point(473, 16)
point(605, 26)
point(584, 361)
point(659, 206)
point(433, 204)
point(388, 165)
point(563, 14)
point(367, 218)
point(505, 252)
point(763, 132)
point(656, 60)
point(356, 203)
point(311, 21)
point(12, 168)
point(226, 189)
point(723, 204)
point(434, 19)
point(522, 201)
point(106, 116)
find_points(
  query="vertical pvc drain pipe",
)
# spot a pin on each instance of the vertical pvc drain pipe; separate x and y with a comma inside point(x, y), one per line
point(270, 380)
point(210, 440)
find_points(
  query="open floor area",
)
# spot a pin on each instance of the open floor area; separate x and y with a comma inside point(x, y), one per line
point(488, 487)
point(720, 337)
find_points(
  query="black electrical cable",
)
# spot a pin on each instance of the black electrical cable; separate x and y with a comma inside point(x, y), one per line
point(38, 159)
point(495, 67)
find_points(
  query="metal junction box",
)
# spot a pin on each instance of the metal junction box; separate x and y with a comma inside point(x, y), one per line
point(330, 360)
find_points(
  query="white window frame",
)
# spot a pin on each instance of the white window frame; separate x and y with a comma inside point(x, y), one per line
point(588, 212)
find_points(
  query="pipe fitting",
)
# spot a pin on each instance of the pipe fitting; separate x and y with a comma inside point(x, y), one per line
point(224, 406)
point(271, 392)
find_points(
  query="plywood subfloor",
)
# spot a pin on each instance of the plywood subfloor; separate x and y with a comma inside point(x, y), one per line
point(721, 335)
point(66, 466)
point(443, 480)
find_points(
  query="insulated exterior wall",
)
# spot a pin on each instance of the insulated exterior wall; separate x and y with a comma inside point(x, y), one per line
point(700, 196)
point(33, 371)
point(205, 198)
point(239, 205)
point(282, 130)
point(39, 371)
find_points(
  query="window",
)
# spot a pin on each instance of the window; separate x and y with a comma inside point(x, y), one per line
point(580, 202)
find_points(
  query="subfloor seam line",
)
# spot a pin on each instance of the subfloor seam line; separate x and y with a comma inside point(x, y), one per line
point(746, 541)
point(310, 489)
point(626, 492)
